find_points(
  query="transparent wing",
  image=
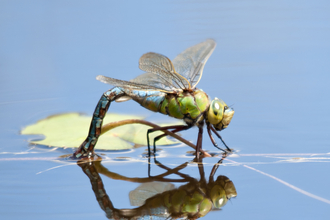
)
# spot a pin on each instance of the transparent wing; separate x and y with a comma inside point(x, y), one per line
point(145, 191)
point(163, 75)
point(129, 84)
point(190, 63)
point(163, 68)
point(154, 80)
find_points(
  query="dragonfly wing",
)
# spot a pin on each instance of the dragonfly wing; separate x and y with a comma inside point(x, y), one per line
point(155, 81)
point(190, 63)
point(145, 191)
point(129, 84)
point(162, 66)
point(161, 72)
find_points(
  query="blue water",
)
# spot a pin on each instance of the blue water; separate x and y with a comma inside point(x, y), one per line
point(271, 64)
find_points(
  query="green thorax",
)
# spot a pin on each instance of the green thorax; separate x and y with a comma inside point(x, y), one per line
point(189, 106)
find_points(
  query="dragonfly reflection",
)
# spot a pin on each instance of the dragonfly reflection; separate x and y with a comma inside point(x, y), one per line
point(157, 196)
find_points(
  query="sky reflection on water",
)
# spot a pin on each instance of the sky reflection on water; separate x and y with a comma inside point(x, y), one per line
point(271, 63)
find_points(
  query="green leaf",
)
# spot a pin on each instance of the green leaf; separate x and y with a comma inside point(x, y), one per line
point(70, 130)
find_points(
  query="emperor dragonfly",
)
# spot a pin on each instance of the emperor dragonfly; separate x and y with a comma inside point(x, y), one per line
point(169, 88)
point(158, 198)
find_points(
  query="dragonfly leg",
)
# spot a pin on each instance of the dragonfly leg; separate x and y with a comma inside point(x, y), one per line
point(212, 139)
point(215, 168)
point(176, 128)
point(218, 135)
point(199, 142)
point(86, 149)
point(173, 131)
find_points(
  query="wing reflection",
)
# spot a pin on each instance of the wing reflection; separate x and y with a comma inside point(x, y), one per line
point(157, 197)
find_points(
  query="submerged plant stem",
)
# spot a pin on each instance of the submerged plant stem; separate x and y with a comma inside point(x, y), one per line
point(115, 124)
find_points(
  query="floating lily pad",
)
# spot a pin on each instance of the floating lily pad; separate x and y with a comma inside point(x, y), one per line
point(70, 130)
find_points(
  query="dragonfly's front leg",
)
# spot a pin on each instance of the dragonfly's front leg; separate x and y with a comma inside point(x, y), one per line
point(209, 128)
point(212, 139)
point(86, 149)
point(176, 128)
point(215, 167)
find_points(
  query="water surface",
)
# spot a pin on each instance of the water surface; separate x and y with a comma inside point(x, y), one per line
point(271, 63)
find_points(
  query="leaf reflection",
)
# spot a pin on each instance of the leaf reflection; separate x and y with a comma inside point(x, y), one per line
point(157, 196)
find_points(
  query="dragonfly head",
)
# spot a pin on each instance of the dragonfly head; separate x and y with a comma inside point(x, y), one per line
point(219, 114)
point(222, 190)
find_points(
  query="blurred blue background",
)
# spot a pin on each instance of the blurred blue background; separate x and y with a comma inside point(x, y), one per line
point(271, 63)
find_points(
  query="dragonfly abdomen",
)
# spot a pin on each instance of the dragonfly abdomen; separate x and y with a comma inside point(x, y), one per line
point(151, 100)
point(87, 147)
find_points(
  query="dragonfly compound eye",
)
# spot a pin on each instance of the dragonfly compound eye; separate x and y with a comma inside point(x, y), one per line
point(215, 113)
point(218, 196)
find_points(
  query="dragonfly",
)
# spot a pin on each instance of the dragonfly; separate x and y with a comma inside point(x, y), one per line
point(157, 197)
point(167, 87)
